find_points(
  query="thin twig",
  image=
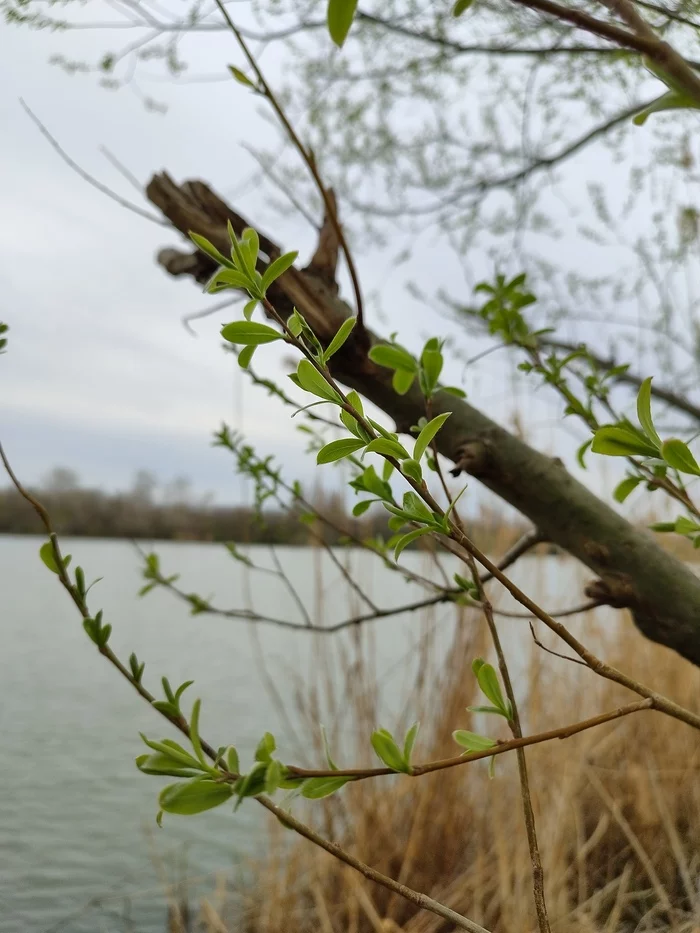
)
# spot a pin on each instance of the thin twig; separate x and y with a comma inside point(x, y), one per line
point(123, 202)
point(306, 155)
point(420, 900)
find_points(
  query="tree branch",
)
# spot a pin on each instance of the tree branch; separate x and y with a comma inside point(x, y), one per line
point(663, 594)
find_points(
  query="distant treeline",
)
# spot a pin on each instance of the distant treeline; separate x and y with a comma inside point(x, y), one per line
point(171, 512)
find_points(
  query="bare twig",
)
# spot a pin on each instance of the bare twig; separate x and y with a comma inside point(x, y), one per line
point(123, 202)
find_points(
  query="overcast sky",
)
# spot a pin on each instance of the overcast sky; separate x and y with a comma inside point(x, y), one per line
point(100, 375)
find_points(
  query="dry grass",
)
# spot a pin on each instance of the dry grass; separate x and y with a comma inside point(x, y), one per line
point(618, 808)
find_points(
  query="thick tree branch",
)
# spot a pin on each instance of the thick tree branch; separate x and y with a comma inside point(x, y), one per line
point(663, 594)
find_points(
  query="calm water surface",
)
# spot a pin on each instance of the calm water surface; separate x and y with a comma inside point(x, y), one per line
point(76, 817)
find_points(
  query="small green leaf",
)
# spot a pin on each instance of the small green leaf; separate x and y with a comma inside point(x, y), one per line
point(409, 742)
point(337, 342)
point(249, 308)
point(329, 759)
point(644, 412)
point(663, 526)
point(251, 784)
point(246, 355)
point(413, 469)
point(428, 433)
point(390, 448)
point(240, 77)
point(678, 456)
point(194, 732)
point(312, 381)
point(171, 749)
point(392, 356)
point(339, 18)
point(194, 796)
point(273, 777)
point(461, 6)
point(266, 747)
point(388, 751)
point(402, 380)
point(672, 100)
point(472, 742)
point(408, 539)
point(454, 390)
point(249, 333)
point(684, 526)
point(492, 710)
point(339, 449)
point(361, 507)
point(627, 486)
point(277, 268)
point(232, 763)
point(356, 402)
point(206, 247)
point(316, 788)
point(490, 687)
point(581, 452)
point(46, 553)
point(160, 764)
point(621, 440)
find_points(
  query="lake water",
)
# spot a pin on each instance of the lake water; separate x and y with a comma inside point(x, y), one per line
point(77, 830)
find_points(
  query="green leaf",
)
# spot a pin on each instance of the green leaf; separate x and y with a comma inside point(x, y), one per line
point(249, 333)
point(337, 342)
point(295, 323)
point(339, 449)
point(316, 788)
point(471, 741)
point(428, 433)
point(194, 796)
point(454, 390)
point(206, 247)
point(277, 268)
point(431, 363)
point(171, 749)
point(249, 308)
point(388, 751)
point(684, 526)
point(329, 759)
point(490, 687)
point(356, 402)
point(251, 784)
point(663, 526)
point(240, 77)
point(352, 424)
point(627, 486)
point(492, 710)
point(621, 440)
point(362, 507)
point(312, 381)
point(407, 539)
point(672, 100)
point(678, 456)
point(266, 747)
point(246, 355)
point(409, 742)
point(390, 448)
point(392, 357)
point(232, 762)
point(461, 6)
point(413, 469)
point(273, 777)
point(46, 553)
point(160, 764)
point(644, 412)
point(581, 452)
point(402, 380)
point(339, 17)
point(194, 732)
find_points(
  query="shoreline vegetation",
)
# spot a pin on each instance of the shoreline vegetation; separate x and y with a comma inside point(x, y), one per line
point(173, 513)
